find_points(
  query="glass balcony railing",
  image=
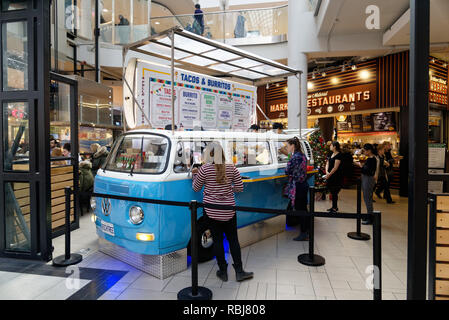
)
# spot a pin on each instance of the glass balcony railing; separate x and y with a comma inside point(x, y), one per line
point(253, 26)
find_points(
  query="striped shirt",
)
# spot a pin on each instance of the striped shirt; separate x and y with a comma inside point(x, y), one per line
point(216, 193)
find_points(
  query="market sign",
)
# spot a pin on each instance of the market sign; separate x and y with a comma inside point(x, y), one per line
point(348, 99)
point(277, 108)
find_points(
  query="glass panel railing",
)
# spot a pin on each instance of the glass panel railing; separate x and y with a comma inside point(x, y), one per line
point(255, 26)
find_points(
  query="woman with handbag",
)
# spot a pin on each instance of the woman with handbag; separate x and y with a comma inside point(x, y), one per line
point(297, 187)
point(221, 181)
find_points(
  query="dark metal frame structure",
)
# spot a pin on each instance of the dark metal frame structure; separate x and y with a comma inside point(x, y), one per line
point(418, 149)
point(37, 16)
point(74, 146)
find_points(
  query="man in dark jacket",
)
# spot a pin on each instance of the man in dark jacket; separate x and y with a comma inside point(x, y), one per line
point(199, 19)
point(99, 157)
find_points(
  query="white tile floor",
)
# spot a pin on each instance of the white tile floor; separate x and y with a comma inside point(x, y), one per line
point(278, 275)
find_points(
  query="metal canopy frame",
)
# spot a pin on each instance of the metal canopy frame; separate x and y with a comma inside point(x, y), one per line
point(216, 59)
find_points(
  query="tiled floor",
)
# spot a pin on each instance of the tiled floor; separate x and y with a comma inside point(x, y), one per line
point(278, 275)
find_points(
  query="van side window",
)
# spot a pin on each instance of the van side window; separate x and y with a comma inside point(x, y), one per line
point(249, 153)
point(281, 149)
point(187, 154)
point(139, 153)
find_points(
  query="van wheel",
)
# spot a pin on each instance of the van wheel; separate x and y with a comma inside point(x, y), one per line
point(205, 242)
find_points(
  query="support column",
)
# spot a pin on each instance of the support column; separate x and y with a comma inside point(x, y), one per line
point(418, 149)
point(296, 60)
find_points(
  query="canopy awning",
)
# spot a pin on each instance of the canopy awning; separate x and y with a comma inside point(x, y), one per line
point(211, 57)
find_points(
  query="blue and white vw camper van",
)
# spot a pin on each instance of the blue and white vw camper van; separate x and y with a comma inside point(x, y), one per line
point(156, 164)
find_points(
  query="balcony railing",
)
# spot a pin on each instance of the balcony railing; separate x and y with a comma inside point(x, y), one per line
point(239, 27)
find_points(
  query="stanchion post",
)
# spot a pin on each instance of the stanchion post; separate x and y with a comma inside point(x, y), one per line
point(311, 259)
point(68, 258)
point(358, 235)
point(377, 255)
point(194, 292)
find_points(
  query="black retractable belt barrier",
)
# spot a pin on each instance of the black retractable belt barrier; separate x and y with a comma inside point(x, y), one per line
point(68, 258)
point(194, 292)
point(311, 259)
point(377, 255)
point(358, 235)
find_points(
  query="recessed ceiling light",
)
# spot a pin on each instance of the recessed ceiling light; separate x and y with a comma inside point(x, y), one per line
point(157, 22)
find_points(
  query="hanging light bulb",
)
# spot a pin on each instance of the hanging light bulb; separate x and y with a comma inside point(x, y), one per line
point(313, 75)
point(323, 74)
point(277, 85)
point(343, 68)
point(354, 67)
point(268, 86)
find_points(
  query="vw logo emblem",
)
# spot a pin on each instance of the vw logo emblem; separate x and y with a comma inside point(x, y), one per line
point(106, 206)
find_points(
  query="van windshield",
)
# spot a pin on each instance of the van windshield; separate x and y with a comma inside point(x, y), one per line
point(139, 153)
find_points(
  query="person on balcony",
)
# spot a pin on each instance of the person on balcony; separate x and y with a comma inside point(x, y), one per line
point(198, 24)
point(239, 30)
point(123, 30)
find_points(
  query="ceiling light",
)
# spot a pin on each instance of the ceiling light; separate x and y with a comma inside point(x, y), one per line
point(157, 22)
point(277, 85)
point(310, 85)
point(364, 74)
point(445, 65)
point(267, 87)
point(354, 67)
point(334, 80)
point(433, 60)
point(313, 75)
point(343, 68)
point(323, 74)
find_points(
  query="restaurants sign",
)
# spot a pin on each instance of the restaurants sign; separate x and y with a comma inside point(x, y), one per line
point(354, 98)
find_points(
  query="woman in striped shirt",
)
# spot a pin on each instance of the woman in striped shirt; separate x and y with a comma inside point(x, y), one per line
point(220, 181)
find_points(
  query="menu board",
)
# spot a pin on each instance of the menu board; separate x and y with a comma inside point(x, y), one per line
point(344, 124)
point(357, 123)
point(241, 113)
point(208, 111)
point(189, 109)
point(384, 121)
point(225, 112)
point(161, 110)
point(367, 123)
point(437, 155)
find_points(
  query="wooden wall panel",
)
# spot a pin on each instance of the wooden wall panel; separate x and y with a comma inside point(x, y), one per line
point(392, 80)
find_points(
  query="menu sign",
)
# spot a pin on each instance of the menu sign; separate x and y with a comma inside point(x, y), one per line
point(225, 112)
point(367, 123)
point(241, 113)
point(208, 111)
point(355, 98)
point(189, 106)
point(384, 121)
point(357, 123)
point(161, 112)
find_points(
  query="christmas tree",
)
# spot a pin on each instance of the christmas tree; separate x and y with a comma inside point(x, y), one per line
point(320, 151)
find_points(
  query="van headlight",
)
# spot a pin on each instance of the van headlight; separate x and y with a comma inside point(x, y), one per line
point(136, 214)
point(93, 203)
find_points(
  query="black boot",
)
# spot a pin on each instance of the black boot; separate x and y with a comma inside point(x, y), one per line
point(222, 274)
point(241, 274)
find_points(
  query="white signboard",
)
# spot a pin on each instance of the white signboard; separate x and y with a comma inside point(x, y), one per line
point(201, 101)
point(225, 112)
point(208, 111)
point(189, 108)
point(437, 156)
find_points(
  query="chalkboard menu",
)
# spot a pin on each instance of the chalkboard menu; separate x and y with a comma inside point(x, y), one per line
point(384, 121)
